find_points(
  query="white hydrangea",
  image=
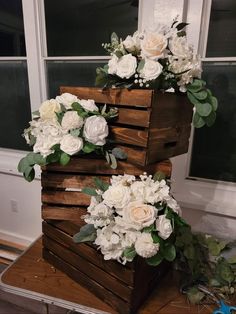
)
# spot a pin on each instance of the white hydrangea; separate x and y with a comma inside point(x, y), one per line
point(100, 215)
point(125, 179)
point(71, 120)
point(145, 247)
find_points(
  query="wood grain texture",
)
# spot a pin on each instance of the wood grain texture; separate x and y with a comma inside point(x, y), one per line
point(139, 118)
point(64, 213)
point(65, 198)
point(88, 252)
point(32, 273)
point(115, 96)
point(100, 166)
point(129, 136)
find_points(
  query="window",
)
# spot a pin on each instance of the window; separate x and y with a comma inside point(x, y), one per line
point(14, 89)
point(214, 152)
point(205, 178)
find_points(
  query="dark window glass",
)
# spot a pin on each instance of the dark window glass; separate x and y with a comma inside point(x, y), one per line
point(222, 29)
point(214, 149)
point(79, 27)
point(70, 73)
point(12, 40)
point(14, 104)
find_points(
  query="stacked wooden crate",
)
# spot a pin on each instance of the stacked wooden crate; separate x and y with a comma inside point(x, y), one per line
point(148, 131)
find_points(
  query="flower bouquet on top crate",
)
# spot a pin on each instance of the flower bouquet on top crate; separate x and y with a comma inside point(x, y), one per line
point(67, 126)
point(159, 59)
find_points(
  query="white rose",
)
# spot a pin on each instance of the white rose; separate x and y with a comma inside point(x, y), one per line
point(126, 66)
point(151, 70)
point(71, 120)
point(88, 105)
point(48, 108)
point(171, 202)
point(71, 144)
point(145, 247)
point(139, 215)
point(163, 225)
point(44, 144)
point(180, 48)
point(67, 100)
point(112, 65)
point(96, 130)
point(118, 196)
point(153, 45)
point(132, 43)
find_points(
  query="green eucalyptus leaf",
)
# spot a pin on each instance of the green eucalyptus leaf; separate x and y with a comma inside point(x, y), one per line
point(155, 237)
point(149, 228)
point(169, 253)
point(140, 65)
point(201, 95)
point(159, 175)
point(189, 252)
point(87, 233)
point(75, 132)
point(203, 109)
point(35, 158)
point(225, 272)
point(36, 113)
point(130, 253)
point(114, 38)
point(195, 86)
point(101, 185)
point(198, 122)
point(23, 165)
point(155, 260)
point(195, 296)
point(89, 191)
point(232, 260)
point(64, 159)
point(89, 148)
point(210, 120)
point(192, 98)
point(29, 174)
point(113, 161)
point(119, 153)
point(54, 157)
point(214, 102)
point(107, 156)
point(119, 54)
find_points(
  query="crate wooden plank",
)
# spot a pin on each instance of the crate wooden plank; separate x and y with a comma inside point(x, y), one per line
point(65, 198)
point(100, 166)
point(90, 270)
point(104, 294)
point(142, 98)
point(140, 118)
point(69, 181)
point(64, 213)
point(129, 136)
point(88, 252)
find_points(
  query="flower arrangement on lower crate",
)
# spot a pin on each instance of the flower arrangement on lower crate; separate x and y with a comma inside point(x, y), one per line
point(63, 127)
point(132, 217)
point(138, 217)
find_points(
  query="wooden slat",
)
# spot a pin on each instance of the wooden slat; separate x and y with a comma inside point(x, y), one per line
point(90, 270)
point(90, 253)
point(134, 97)
point(64, 213)
point(100, 166)
point(129, 136)
point(167, 135)
point(66, 198)
point(132, 117)
point(58, 180)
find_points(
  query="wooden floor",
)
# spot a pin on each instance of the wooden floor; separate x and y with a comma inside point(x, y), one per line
point(34, 274)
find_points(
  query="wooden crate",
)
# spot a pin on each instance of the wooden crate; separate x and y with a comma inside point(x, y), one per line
point(63, 204)
point(151, 126)
point(61, 196)
point(125, 288)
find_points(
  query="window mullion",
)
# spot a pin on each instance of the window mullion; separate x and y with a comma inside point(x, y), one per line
point(32, 42)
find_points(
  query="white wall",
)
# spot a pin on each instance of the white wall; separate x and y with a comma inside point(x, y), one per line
point(22, 222)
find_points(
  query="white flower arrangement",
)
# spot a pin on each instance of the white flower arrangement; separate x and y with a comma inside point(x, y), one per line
point(63, 127)
point(160, 59)
point(132, 216)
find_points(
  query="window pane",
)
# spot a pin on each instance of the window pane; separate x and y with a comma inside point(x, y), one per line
point(214, 149)
point(70, 73)
point(80, 27)
point(14, 104)
point(11, 28)
point(222, 29)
